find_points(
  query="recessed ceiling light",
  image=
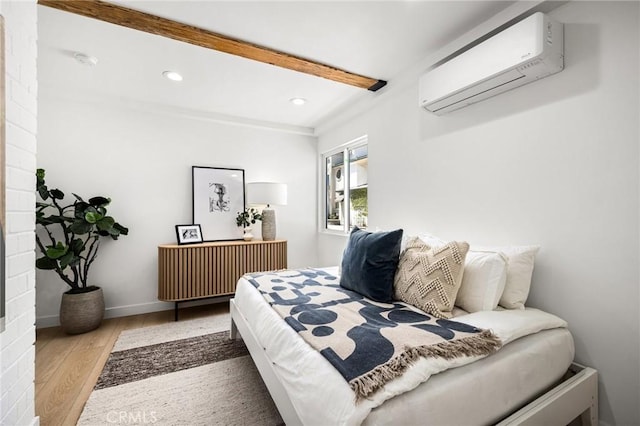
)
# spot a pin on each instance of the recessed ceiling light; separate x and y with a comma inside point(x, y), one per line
point(172, 75)
point(298, 101)
point(85, 59)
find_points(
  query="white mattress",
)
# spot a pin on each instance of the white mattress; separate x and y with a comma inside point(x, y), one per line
point(478, 393)
point(485, 391)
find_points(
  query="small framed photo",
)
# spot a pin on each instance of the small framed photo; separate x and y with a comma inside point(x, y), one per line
point(218, 196)
point(189, 234)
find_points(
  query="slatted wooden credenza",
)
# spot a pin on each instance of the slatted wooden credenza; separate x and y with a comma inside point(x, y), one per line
point(199, 271)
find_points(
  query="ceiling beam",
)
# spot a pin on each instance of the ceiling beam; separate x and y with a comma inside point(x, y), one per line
point(152, 24)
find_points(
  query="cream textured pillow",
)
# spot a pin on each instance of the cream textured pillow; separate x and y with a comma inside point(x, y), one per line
point(483, 281)
point(429, 278)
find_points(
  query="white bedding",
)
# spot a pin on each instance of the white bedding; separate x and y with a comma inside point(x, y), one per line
point(320, 395)
point(485, 391)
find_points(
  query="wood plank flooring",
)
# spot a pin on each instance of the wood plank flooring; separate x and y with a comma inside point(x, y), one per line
point(68, 367)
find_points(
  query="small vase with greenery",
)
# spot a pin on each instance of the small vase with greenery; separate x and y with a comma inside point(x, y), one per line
point(70, 235)
point(247, 218)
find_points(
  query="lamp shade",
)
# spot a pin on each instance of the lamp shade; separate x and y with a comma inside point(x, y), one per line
point(270, 193)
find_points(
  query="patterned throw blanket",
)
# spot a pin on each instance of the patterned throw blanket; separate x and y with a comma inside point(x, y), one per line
point(369, 343)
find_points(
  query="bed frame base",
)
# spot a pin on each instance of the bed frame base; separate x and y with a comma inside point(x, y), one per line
point(264, 365)
point(575, 397)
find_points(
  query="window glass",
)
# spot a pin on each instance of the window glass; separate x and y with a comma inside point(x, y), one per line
point(345, 187)
point(358, 166)
point(335, 192)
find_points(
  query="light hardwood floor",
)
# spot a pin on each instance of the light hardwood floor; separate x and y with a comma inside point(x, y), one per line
point(68, 367)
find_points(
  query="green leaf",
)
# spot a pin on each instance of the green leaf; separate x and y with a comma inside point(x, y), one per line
point(57, 251)
point(67, 259)
point(99, 201)
point(75, 261)
point(46, 263)
point(44, 193)
point(79, 198)
point(56, 194)
point(92, 215)
point(53, 219)
point(106, 223)
point(80, 227)
point(40, 185)
point(42, 220)
point(77, 246)
point(79, 209)
point(122, 229)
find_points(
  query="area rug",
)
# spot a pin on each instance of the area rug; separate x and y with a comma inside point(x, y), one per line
point(184, 373)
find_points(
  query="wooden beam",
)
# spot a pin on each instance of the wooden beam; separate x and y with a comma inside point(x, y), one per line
point(152, 24)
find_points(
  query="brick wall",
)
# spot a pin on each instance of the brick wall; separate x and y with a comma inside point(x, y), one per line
point(17, 352)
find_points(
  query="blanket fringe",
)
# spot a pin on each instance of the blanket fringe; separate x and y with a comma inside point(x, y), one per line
point(480, 344)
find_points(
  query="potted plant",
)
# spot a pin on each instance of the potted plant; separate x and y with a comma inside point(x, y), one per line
point(247, 218)
point(69, 239)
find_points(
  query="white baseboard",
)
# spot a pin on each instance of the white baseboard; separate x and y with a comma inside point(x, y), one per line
point(128, 310)
point(48, 321)
point(141, 308)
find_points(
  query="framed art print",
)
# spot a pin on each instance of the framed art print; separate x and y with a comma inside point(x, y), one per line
point(218, 196)
point(189, 234)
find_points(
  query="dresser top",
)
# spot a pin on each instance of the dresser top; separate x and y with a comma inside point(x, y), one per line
point(220, 243)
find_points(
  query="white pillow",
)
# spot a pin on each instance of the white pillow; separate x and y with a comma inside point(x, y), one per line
point(519, 272)
point(521, 260)
point(432, 240)
point(428, 239)
point(483, 281)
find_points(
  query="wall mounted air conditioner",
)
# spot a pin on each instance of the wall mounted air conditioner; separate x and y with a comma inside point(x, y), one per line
point(527, 51)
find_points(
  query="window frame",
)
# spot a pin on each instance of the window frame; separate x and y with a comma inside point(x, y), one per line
point(344, 149)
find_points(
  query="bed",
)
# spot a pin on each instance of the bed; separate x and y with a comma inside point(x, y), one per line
point(384, 341)
point(525, 382)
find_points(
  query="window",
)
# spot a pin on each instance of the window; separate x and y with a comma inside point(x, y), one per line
point(345, 186)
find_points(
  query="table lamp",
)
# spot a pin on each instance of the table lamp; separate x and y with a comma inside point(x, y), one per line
point(269, 193)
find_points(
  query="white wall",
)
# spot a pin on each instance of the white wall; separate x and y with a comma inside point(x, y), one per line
point(142, 160)
point(17, 352)
point(554, 163)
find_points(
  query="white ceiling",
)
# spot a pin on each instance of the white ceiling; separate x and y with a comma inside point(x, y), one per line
point(378, 39)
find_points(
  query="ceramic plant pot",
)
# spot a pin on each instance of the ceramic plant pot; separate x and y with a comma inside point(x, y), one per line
point(248, 236)
point(81, 312)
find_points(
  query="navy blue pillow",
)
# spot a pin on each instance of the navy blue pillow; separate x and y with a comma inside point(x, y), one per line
point(369, 263)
